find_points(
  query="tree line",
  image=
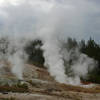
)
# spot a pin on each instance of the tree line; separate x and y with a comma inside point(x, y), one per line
point(90, 48)
point(35, 53)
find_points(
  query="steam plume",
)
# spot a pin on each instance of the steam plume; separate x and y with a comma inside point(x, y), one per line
point(49, 21)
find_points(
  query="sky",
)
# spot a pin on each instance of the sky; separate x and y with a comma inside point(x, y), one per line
point(74, 18)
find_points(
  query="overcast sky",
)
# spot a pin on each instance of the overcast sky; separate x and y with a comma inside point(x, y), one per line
point(75, 18)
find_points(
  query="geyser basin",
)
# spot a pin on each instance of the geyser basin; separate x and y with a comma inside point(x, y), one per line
point(24, 21)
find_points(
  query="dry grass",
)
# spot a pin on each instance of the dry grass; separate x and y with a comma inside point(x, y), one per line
point(11, 98)
point(65, 87)
point(12, 89)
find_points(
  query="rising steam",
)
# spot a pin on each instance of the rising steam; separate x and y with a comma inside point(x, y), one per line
point(45, 20)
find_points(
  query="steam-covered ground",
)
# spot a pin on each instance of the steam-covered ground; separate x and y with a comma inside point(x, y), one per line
point(38, 84)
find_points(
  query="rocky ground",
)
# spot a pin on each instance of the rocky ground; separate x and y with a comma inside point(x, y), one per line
point(37, 84)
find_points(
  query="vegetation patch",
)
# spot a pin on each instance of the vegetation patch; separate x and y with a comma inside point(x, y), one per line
point(11, 98)
point(8, 85)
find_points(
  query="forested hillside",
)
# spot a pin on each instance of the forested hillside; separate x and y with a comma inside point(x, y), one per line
point(35, 54)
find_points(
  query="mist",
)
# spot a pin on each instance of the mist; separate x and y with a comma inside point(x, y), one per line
point(51, 21)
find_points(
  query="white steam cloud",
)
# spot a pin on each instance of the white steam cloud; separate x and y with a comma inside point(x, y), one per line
point(50, 21)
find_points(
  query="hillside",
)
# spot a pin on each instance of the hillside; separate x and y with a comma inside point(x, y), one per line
point(39, 85)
